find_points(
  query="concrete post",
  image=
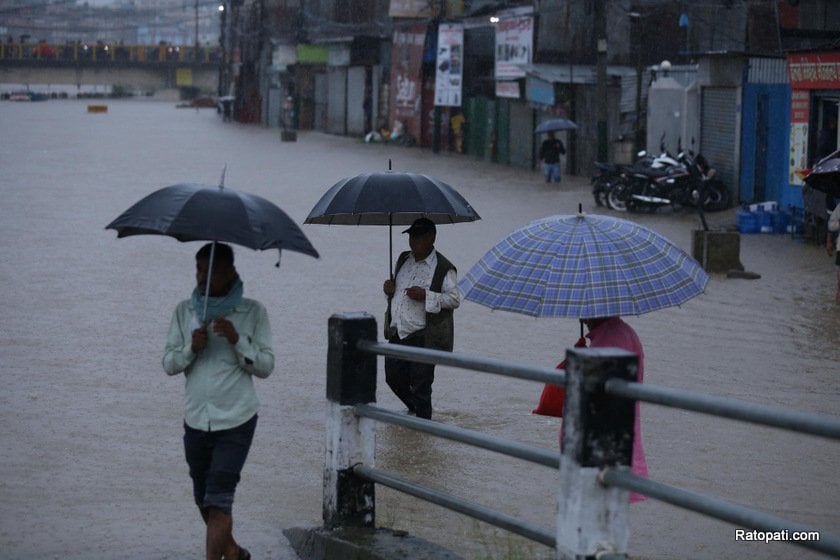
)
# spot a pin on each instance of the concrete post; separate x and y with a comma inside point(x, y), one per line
point(717, 251)
point(597, 432)
point(350, 440)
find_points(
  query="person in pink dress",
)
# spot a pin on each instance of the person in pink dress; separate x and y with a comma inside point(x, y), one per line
point(613, 332)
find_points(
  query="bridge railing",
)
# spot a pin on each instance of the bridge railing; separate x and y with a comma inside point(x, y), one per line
point(105, 54)
point(594, 479)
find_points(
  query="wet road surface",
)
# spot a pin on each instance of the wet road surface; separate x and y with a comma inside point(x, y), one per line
point(92, 460)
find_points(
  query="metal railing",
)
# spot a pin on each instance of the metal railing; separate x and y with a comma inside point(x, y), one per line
point(106, 54)
point(594, 464)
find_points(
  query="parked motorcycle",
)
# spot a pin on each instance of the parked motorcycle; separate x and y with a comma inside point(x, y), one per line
point(610, 174)
point(689, 183)
point(607, 175)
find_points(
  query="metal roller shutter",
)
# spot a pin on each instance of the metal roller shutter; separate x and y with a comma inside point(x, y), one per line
point(718, 140)
point(337, 100)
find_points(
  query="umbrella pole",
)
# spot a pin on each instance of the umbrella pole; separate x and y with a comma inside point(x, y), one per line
point(207, 284)
point(390, 246)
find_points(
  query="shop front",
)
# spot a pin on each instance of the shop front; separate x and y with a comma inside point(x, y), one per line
point(815, 98)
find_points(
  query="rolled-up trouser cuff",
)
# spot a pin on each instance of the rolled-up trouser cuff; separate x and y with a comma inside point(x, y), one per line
point(223, 502)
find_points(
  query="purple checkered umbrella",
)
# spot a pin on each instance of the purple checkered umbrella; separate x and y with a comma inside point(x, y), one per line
point(583, 266)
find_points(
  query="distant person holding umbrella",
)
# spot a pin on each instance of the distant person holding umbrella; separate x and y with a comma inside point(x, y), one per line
point(550, 151)
point(421, 298)
point(220, 351)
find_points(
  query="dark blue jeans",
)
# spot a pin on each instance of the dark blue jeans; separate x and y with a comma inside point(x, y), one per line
point(411, 381)
point(216, 460)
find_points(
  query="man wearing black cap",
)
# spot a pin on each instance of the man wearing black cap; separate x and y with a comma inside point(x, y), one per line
point(421, 298)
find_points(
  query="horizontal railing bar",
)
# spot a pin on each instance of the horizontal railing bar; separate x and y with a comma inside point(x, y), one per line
point(716, 406)
point(463, 435)
point(498, 519)
point(728, 408)
point(488, 365)
point(720, 509)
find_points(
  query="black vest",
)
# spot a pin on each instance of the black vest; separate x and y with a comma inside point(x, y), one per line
point(440, 327)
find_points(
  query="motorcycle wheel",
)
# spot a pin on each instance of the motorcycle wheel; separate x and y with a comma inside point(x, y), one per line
point(716, 197)
point(617, 197)
point(599, 191)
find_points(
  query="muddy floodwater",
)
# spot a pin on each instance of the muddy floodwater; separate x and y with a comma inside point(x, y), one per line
point(91, 459)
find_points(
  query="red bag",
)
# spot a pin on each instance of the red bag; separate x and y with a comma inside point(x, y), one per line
point(553, 396)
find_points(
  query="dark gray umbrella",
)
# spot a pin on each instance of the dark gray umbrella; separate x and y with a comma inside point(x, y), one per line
point(825, 175)
point(553, 125)
point(390, 199)
point(194, 212)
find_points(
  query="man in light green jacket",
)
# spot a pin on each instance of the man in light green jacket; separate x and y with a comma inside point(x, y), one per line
point(219, 353)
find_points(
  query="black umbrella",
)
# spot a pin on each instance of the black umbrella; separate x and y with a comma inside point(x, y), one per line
point(194, 212)
point(825, 175)
point(390, 199)
point(553, 125)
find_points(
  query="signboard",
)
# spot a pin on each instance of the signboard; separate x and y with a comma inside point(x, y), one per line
point(800, 114)
point(539, 91)
point(283, 56)
point(514, 44)
point(814, 70)
point(411, 9)
point(183, 77)
point(406, 76)
point(312, 54)
point(338, 54)
point(449, 65)
point(507, 89)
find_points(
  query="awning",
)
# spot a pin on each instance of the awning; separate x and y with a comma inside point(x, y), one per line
point(574, 73)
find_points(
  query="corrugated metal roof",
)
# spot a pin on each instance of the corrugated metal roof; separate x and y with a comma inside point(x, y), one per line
point(767, 71)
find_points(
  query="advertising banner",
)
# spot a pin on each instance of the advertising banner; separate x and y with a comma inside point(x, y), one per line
point(514, 45)
point(799, 116)
point(450, 65)
point(406, 77)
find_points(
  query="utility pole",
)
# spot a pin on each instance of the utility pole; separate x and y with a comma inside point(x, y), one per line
point(436, 119)
point(224, 65)
point(601, 77)
point(195, 53)
point(636, 44)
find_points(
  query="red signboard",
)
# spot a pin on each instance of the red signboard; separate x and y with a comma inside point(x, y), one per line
point(406, 77)
point(814, 70)
point(799, 106)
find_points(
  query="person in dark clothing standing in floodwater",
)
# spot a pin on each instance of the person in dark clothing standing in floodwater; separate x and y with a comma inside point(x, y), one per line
point(550, 151)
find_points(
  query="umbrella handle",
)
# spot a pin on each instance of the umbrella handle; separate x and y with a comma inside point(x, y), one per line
point(390, 246)
point(207, 284)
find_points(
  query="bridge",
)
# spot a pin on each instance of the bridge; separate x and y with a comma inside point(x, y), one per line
point(145, 68)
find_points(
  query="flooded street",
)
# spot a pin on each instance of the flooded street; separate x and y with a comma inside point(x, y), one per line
point(92, 463)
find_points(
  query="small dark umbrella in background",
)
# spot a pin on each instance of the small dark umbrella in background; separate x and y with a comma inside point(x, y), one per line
point(825, 175)
point(390, 199)
point(555, 125)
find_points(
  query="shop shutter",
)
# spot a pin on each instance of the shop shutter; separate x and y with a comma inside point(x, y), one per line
point(337, 100)
point(521, 134)
point(356, 78)
point(718, 140)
